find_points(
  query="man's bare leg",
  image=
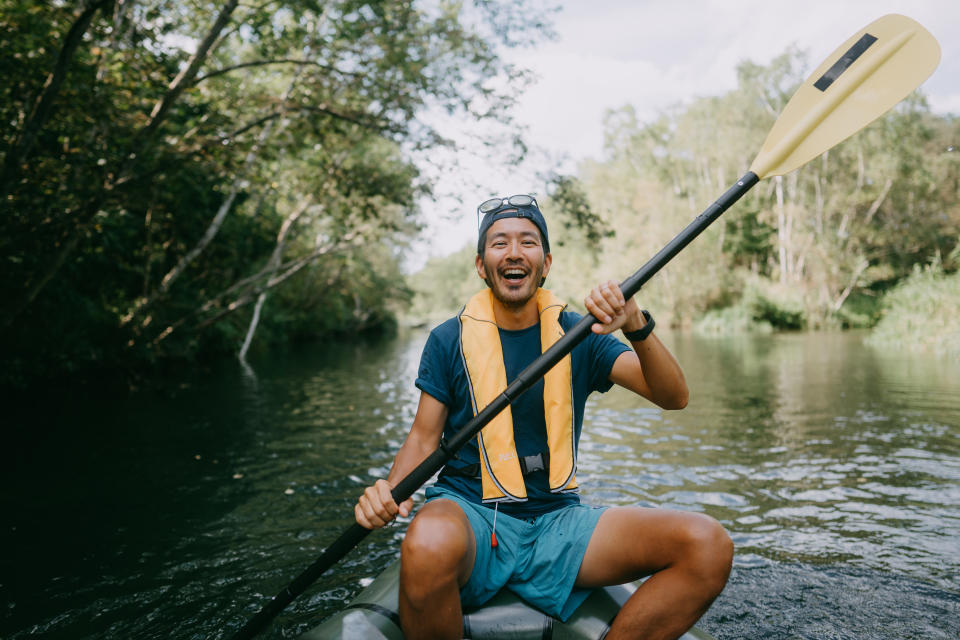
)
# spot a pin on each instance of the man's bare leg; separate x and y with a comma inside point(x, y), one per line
point(436, 559)
point(687, 555)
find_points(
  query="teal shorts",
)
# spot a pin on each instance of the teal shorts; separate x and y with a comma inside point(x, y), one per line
point(537, 559)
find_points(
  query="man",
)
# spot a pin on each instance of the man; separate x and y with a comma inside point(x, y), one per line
point(506, 512)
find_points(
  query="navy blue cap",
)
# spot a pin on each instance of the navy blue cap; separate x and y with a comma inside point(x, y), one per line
point(530, 212)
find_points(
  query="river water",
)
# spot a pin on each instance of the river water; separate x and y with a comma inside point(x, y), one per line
point(834, 465)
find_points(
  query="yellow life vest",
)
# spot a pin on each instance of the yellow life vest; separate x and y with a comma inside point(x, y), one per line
point(500, 473)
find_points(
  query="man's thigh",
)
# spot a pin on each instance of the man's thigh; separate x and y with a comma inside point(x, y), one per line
point(630, 543)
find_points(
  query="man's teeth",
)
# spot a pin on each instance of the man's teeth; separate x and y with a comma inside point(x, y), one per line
point(514, 273)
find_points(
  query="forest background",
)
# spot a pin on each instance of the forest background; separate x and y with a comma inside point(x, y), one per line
point(185, 180)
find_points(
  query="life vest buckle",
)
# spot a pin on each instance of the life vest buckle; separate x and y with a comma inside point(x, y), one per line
point(539, 462)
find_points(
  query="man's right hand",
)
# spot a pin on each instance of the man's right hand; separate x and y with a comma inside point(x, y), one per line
point(376, 507)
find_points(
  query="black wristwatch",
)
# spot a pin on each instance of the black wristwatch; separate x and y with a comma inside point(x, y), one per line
point(641, 334)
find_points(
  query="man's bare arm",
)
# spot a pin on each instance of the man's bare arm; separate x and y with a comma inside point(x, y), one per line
point(376, 506)
point(650, 370)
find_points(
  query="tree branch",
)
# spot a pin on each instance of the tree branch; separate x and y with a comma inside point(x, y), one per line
point(275, 259)
point(43, 107)
point(274, 276)
point(121, 176)
point(372, 126)
point(212, 229)
point(189, 72)
point(872, 211)
point(260, 63)
point(854, 278)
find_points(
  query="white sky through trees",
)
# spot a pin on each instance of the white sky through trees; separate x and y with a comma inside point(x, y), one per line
point(653, 54)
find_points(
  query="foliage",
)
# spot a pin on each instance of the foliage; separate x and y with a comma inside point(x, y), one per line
point(730, 320)
point(920, 313)
point(570, 200)
point(816, 248)
point(168, 165)
point(759, 306)
point(443, 286)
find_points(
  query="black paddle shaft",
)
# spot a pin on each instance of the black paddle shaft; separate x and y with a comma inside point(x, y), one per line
point(526, 379)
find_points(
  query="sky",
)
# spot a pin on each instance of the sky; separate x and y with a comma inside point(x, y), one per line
point(653, 54)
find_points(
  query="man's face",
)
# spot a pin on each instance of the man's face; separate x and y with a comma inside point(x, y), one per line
point(513, 263)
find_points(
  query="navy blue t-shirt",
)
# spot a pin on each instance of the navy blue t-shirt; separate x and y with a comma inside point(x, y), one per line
point(443, 376)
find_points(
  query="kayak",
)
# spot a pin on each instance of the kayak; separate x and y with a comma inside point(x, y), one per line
point(373, 614)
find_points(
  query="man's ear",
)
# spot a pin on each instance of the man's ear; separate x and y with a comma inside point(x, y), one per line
point(480, 270)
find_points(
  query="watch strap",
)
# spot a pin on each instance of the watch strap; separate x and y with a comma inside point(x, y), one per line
point(641, 334)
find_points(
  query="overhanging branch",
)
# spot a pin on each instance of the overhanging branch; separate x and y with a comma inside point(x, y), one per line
point(263, 63)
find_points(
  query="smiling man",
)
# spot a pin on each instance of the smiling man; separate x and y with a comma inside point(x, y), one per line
point(506, 512)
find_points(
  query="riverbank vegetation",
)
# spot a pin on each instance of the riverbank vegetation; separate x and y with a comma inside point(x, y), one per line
point(920, 313)
point(819, 248)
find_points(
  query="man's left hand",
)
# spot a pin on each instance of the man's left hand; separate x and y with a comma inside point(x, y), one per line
point(607, 304)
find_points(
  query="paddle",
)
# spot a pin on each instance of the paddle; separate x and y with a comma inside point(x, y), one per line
point(857, 83)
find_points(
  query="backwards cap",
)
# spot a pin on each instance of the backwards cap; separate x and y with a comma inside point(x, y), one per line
point(530, 212)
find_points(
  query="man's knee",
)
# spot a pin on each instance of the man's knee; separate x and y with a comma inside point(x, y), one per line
point(437, 545)
point(711, 550)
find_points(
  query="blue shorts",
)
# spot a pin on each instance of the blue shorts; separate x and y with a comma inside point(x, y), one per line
point(537, 559)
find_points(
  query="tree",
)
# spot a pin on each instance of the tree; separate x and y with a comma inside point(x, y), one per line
point(795, 250)
point(160, 151)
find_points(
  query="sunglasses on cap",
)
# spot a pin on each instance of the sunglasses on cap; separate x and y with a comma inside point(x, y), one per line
point(496, 204)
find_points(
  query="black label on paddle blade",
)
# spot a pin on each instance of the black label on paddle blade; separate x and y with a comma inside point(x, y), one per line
point(845, 61)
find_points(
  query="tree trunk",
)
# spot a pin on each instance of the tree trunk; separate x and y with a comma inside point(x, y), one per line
point(188, 73)
point(872, 211)
point(254, 321)
point(782, 231)
point(854, 278)
point(144, 135)
point(257, 285)
point(214, 226)
point(43, 107)
point(272, 263)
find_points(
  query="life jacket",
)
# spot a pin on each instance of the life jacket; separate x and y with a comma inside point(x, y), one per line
point(482, 353)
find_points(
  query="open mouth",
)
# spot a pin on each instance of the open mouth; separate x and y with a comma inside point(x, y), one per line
point(514, 274)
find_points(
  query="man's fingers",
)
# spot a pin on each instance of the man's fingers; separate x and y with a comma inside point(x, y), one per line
point(605, 301)
point(361, 517)
point(612, 294)
point(599, 307)
point(385, 494)
point(369, 515)
point(376, 507)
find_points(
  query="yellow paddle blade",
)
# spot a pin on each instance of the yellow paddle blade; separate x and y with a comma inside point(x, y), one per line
point(860, 81)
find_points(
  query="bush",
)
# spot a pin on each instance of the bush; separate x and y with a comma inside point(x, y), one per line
point(862, 310)
point(735, 319)
point(920, 313)
point(762, 307)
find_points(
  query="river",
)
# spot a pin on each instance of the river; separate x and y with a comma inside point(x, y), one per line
point(834, 465)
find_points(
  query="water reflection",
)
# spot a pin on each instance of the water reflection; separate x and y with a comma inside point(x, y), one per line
point(808, 447)
point(179, 515)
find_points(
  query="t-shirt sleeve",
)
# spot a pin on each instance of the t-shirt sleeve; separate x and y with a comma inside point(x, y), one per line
point(606, 349)
point(601, 352)
point(433, 377)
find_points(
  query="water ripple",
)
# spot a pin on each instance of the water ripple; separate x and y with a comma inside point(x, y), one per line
point(835, 468)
